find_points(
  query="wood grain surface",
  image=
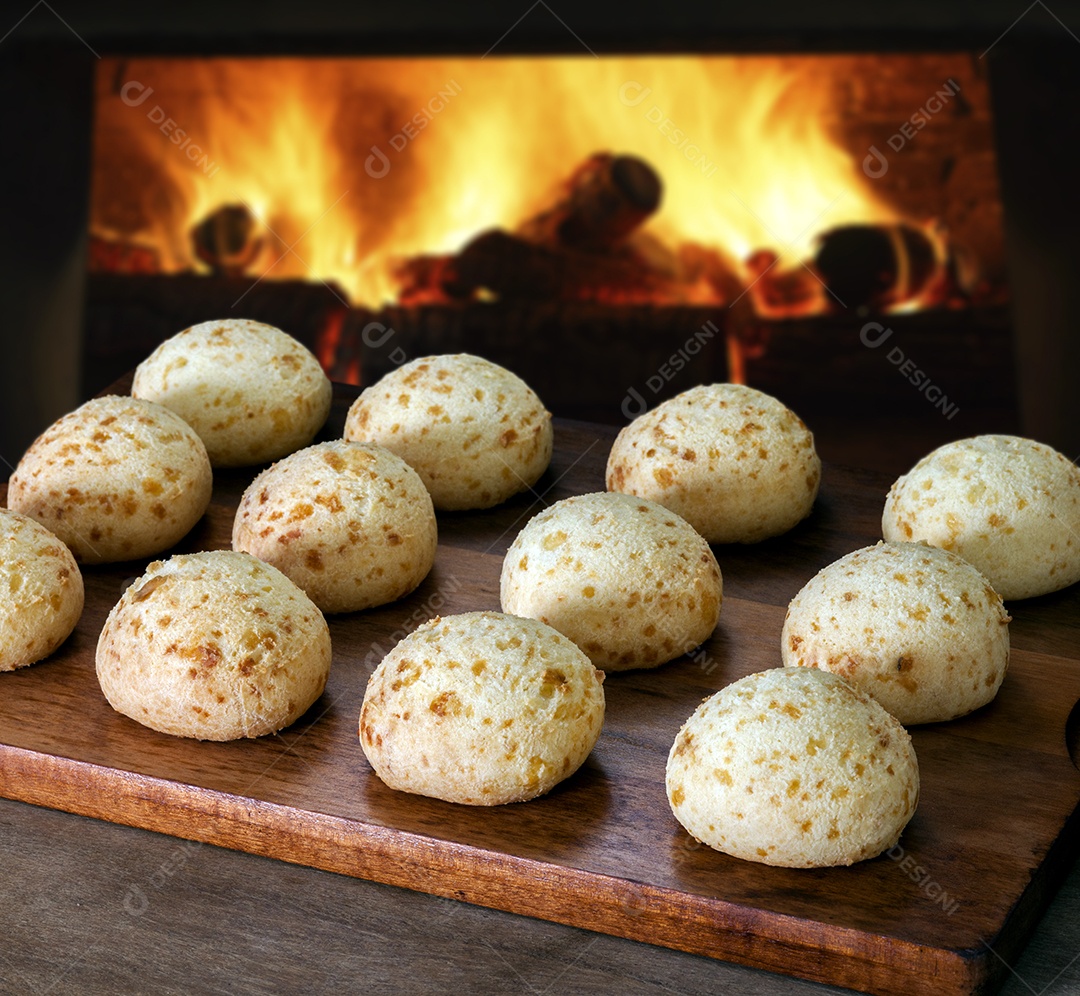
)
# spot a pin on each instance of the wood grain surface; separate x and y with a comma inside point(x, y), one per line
point(994, 832)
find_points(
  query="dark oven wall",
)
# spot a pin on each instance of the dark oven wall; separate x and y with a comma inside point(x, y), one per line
point(46, 67)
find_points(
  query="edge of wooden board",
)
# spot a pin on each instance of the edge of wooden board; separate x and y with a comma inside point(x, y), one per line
point(715, 928)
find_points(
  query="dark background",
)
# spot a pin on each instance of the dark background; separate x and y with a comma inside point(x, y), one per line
point(45, 127)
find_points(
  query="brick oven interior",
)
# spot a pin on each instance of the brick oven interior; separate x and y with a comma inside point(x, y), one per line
point(985, 160)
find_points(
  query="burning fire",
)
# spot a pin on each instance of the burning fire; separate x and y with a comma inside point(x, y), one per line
point(351, 167)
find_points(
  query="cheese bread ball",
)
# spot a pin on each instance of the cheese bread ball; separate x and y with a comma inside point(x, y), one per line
point(916, 627)
point(628, 581)
point(116, 479)
point(215, 646)
point(474, 432)
point(793, 767)
point(734, 462)
point(350, 523)
point(42, 591)
point(250, 391)
point(482, 709)
point(1010, 506)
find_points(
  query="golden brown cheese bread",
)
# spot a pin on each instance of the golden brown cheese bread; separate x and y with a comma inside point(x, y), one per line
point(41, 591)
point(116, 479)
point(627, 580)
point(916, 627)
point(475, 433)
point(481, 708)
point(251, 392)
point(351, 523)
point(734, 462)
point(793, 767)
point(1009, 505)
point(214, 646)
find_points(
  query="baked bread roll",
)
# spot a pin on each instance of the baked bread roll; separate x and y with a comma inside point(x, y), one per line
point(116, 479)
point(482, 709)
point(474, 432)
point(793, 767)
point(734, 462)
point(628, 581)
point(42, 591)
point(1010, 506)
point(916, 627)
point(350, 523)
point(250, 391)
point(214, 646)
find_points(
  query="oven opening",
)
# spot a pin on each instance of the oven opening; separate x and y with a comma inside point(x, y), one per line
point(613, 228)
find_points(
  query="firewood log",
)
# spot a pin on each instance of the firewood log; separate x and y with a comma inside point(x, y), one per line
point(875, 266)
point(604, 200)
point(227, 240)
point(505, 266)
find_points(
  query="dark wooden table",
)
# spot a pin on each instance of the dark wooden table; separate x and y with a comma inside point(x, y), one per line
point(217, 921)
point(88, 907)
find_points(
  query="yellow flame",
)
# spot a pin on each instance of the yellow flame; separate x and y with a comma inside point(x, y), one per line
point(746, 148)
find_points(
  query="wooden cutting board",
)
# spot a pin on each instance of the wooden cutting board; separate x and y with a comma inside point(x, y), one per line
point(996, 826)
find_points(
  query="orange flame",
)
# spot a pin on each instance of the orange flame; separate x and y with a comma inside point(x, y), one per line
point(353, 165)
